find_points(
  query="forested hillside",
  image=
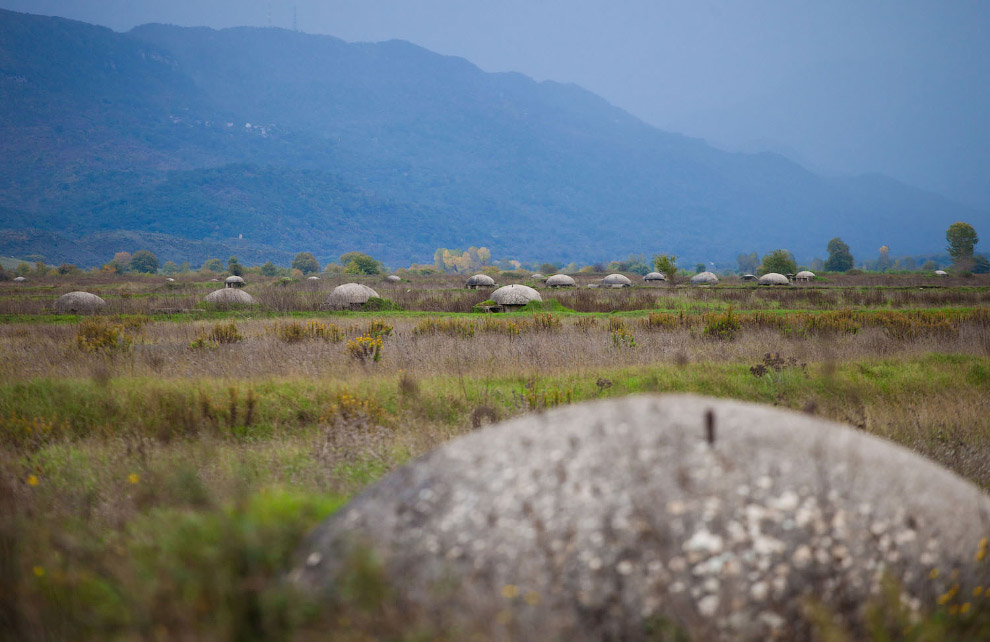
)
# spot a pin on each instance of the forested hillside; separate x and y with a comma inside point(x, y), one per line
point(302, 142)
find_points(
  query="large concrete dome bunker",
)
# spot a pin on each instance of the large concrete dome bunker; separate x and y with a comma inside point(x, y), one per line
point(515, 296)
point(350, 295)
point(79, 303)
point(230, 297)
point(720, 517)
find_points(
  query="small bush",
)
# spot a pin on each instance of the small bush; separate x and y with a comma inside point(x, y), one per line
point(98, 334)
point(225, 333)
point(448, 326)
point(663, 321)
point(546, 322)
point(481, 307)
point(721, 326)
point(378, 304)
point(622, 338)
point(507, 327)
point(365, 348)
point(219, 334)
point(378, 328)
point(294, 332)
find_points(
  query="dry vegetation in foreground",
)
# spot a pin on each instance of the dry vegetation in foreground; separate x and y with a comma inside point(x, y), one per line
point(156, 475)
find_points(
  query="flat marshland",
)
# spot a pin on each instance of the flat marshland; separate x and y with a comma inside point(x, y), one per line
point(160, 462)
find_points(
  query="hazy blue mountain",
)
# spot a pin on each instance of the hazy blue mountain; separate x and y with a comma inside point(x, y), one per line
point(301, 142)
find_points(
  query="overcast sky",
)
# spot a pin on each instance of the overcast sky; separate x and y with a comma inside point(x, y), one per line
point(843, 86)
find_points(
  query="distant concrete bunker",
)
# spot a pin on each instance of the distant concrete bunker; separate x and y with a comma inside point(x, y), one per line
point(721, 518)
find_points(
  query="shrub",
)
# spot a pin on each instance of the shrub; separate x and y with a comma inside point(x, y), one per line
point(218, 334)
point(378, 328)
point(663, 321)
point(508, 327)
point(721, 326)
point(448, 326)
point(546, 322)
point(293, 331)
point(829, 323)
point(481, 307)
point(101, 335)
point(225, 333)
point(621, 338)
point(365, 348)
point(378, 304)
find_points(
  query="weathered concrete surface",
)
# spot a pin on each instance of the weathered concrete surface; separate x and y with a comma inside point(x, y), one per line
point(79, 303)
point(230, 296)
point(591, 521)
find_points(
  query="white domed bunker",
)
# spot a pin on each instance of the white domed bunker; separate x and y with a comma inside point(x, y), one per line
point(230, 297)
point(515, 296)
point(704, 278)
point(655, 276)
point(561, 281)
point(234, 281)
point(79, 303)
point(719, 517)
point(773, 278)
point(480, 281)
point(616, 281)
point(350, 296)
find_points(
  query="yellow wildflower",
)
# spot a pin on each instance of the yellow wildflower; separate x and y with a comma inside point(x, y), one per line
point(510, 591)
point(39, 571)
point(33, 480)
point(133, 478)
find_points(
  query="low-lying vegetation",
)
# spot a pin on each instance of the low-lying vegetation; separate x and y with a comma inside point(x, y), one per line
point(158, 468)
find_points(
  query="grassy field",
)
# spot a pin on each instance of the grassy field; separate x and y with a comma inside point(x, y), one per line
point(158, 470)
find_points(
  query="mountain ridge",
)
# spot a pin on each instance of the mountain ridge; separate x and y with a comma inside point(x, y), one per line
point(392, 149)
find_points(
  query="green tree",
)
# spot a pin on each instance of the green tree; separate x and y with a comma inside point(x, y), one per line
point(779, 261)
point(268, 269)
point(22, 269)
point(748, 263)
point(962, 238)
point(981, 265)
point(306, 263)
point(67, 269)
point(839, 259)
point(144, 261)
point(234, 267)
point(359, 263)
point(121, 262)
point(170, 267)
point(667, 265)
point(213, 265)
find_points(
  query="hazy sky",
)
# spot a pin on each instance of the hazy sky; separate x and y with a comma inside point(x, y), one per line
point(844, 86)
